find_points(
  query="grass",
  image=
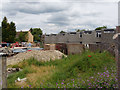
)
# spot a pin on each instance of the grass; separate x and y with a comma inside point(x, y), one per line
point(73, 71)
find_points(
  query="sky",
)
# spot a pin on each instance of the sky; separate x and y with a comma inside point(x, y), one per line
point(119, 14)
point(52, 16)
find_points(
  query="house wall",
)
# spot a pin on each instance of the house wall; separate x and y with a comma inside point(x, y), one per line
point(85, 39)
point(30, 37)
point(107, 37)
point(75, 48)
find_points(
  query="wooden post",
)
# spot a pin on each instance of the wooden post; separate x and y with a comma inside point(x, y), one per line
point(3, 73)
point(118, 59)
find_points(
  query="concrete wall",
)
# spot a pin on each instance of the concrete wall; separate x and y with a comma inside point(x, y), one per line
point(107, 37)
point(85, 39)
point(74, 48)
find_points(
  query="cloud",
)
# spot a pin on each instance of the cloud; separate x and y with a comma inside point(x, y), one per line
point(57, 15)
point(33, 7)
point(119, 13)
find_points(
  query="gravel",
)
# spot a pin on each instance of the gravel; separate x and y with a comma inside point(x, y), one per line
point(41, 55)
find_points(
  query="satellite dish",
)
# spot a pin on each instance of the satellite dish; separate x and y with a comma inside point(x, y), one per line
point(116, 35)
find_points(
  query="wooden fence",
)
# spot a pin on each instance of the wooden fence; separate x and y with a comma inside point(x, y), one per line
point(103, 47)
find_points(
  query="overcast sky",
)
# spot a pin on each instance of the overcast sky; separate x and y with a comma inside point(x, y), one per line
point(57, 15)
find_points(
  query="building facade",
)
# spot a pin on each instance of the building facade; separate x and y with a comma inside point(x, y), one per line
point(84, 37)
point(29, 37)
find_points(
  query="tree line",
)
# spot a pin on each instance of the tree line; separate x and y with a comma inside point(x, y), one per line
point(9, 33)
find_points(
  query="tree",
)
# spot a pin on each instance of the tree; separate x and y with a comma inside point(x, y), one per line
point(22, 37)
point(36, 32)
point(62, 32)
point(78, 30)
point(12, 32)
point(100, 28)
point(8, 31)
point(4, 29)
point(0, 34)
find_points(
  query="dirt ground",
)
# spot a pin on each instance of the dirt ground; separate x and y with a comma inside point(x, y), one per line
point(39, 55)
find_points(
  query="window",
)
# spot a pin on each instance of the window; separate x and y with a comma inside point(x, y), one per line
point(72, 33)
point(80, 35)
point(47, 35)
point(87, 32)
point(98, 35)
point(98, 42)
point(108, 31)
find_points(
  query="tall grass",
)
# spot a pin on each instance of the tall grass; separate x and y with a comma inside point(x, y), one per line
point(86, 64)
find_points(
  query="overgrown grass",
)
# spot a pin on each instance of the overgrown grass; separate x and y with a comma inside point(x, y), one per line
point(62, 73)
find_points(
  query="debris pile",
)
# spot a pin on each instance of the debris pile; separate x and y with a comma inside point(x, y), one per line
point(41, 55)
point(20, 80)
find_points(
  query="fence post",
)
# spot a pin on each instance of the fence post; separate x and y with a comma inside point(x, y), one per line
point(3, 73)
point(118, 59)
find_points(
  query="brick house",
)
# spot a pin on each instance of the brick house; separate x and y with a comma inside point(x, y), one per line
point(84, 37)
point(29, 36)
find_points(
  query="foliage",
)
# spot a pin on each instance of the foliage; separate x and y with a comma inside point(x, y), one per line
point(78, 30)
point(22, 37)
point(73, 71)
point(36, 32)
point(100, 28)
point(62, 32)
point(8, 31)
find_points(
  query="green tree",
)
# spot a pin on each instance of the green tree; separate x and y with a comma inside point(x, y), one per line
point(8, 31)
point(36, 32)
point(4, 29)
point(100, 28)
point(62, 32)
point(0, 34)
point(22, 37)
point(78, 30)
point(12, 32)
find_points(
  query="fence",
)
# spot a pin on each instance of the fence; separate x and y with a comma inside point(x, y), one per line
point(103, 47)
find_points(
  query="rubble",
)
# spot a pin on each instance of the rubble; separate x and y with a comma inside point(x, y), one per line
point(40, 55)
point(20, 80)
point(11, 70)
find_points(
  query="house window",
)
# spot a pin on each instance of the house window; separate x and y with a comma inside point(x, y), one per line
point(98, 35)
point(98, 42)
point(80, 42)
point(72, 33)
point(108, 31)
point(80, 35)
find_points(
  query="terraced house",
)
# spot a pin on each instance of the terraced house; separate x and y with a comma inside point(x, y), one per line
point(73, 42)
point(84, 37)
